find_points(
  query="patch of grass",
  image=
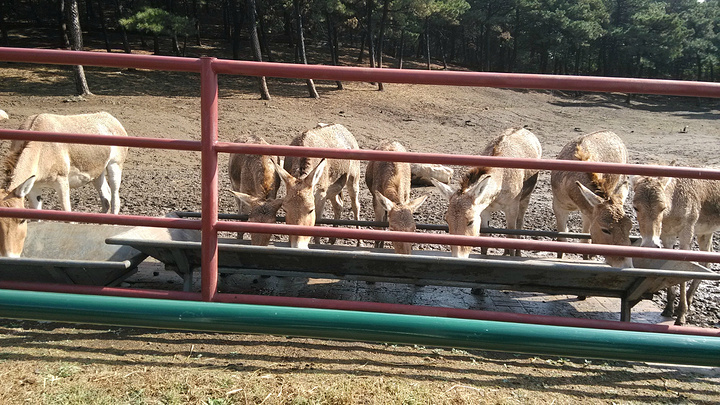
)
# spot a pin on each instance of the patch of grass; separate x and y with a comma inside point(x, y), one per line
point(78, 395)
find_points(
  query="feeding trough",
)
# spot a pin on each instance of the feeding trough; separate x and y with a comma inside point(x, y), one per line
point(180, 250)
point(65, 253)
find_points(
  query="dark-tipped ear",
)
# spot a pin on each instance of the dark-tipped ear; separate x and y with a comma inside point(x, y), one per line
point(275, 204)
point(386, 203)
point(317, 172)
point(478, 190)
point(416, 203)
point(593, 199)
point(246, 199)
point(284, 175)
point(24, 189)
point(444, 189)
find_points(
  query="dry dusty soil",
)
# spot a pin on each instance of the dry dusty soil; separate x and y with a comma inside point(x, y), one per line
point(51, 363)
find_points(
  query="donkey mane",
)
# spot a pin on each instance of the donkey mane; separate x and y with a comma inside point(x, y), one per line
point(598, 183)
point(471, 177)
point(11, 161)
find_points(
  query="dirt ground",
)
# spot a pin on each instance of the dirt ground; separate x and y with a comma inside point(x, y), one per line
point(48, 363)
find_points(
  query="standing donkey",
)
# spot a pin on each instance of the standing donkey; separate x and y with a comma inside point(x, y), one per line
point(484, 190)
point(32, 166)
point(62, 166)
point(13, 230)
point(677, 208)
point(389, 184)
point(255, 184)
point(599, 197)
point(326, 176)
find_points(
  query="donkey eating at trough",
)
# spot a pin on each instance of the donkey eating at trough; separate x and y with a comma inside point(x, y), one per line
point(62, 166)
point(13, 230)
point(670, 209)
point(599, 197)
point(327, 177)
point(255, 184)
point(484, 190)
point(389, 185)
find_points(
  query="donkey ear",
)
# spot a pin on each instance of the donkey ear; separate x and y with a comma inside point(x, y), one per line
point(622, 189)
point(317, 172)
point(386, 203)
point(246, 199)
point(24, 189)
point(275, 204)
point(444, 189)
point(593, 199)
point(479, 190)
point(284, 175)
point(416, 203)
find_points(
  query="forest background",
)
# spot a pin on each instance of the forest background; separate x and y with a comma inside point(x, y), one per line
point(675, 39)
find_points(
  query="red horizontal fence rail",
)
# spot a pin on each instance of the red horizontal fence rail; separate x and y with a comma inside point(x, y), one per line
point(209, 146)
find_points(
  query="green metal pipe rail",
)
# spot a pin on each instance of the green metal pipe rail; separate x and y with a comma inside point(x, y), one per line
point(362, 326)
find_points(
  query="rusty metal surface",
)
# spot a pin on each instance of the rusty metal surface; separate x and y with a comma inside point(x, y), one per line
point(69, 253)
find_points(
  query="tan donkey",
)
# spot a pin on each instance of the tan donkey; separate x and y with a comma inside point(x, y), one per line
point(670, 209)
point(599, 197)
point(312, 181)
point(389, 185)
point(255, 183)
point(33, 166)
point(484, 190)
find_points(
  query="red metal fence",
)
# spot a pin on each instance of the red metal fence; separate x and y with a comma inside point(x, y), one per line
point(209, 146)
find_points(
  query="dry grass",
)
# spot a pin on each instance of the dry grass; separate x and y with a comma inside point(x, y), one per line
point(58, 364)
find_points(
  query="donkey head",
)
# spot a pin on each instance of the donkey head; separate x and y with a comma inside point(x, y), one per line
point(13, 231)
point(609, 225)
point(299, 202)
point(263, 211)
point(650, 203)
point(465, 207)
point(400, 217)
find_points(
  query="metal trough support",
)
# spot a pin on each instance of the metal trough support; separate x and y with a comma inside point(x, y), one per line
point(362, 326)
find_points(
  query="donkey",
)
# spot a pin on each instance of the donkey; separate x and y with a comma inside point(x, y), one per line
point(13, 231)
point(484, 190)
point(389, 184)
point(676, 208)
point(255, 184)
point(62, 166)
point(326, 176)
point(599, 197)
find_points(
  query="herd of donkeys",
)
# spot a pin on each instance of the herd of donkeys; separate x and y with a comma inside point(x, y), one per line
point(669, 210)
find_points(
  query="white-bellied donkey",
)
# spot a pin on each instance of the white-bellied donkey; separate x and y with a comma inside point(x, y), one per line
point(599, 197)
point(484, 190)
point(389, 185)
point(255, 184)
point(326, 177)
point(33, 166)
point(670, 209)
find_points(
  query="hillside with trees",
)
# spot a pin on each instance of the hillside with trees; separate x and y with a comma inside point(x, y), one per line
point(673, 39)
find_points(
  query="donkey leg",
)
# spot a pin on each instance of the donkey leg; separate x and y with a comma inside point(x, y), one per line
point(669, 309)
point(511, 216)
point(62, 187)
point(561, 219)
point(683, 306)
point(320, 199)
point(520, 221)
point(353, 187)
point(103, 189)
point(114, 177)
point(586, 229)
point(484, 223)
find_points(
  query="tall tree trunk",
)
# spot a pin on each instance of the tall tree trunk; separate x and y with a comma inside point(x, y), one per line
point(265, 45)
point(332, 43)
point(381, 39)
point(370, 4)
point(121, 14)
point(362, 47)
point(301, 47)
point(101, 14)
point(73, 22)
point(427, 40)
point(3, 28)
point(401, 52)
point(196, 16)
point(255, 41)
point(237, 27)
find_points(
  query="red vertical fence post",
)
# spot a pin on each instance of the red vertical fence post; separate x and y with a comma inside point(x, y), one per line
point(209, 167)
